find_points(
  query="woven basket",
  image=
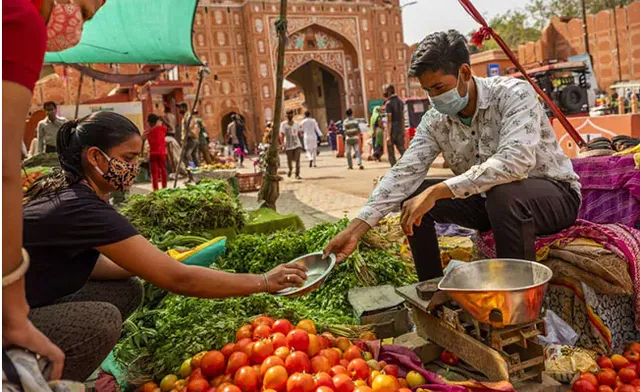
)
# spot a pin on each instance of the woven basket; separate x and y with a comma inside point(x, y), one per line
point(250, 182)
point(213, 174)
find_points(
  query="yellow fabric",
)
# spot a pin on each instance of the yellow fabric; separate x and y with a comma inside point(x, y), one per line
point(636, 159)
point(543, 253)
point(630, 150)
point(182, 256)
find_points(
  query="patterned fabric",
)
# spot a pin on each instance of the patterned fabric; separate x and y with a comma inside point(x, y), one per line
point(351, 130)
point(120, 174)
point(610, 189)
point(510, 139)
point(620, 239)
point(598, 267)
point(64, 29)
point(604, 323)
point(31, 377)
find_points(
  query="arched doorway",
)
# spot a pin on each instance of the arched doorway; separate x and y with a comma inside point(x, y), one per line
point(226, 120)
point(324, 65)
point(323, 92)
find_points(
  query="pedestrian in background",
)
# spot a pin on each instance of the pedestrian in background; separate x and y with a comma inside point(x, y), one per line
point(155, 135)
point(395, 121)
point(352, 133)
point(290, 142)
point(48, 128)
point(332, 133)
point(191, 132)
point(203, 139)
point(311, 136)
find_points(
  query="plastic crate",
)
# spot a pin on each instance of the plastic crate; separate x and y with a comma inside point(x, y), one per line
point(249, 182)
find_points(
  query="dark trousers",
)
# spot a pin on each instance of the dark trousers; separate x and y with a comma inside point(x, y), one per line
point(294, 156)
point(191, 152)
point(397, 141)
point(516, 212)
point(86, 325)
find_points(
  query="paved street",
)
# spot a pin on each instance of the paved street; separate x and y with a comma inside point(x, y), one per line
point(327, 192)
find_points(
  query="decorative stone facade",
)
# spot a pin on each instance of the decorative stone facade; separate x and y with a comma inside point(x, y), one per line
point(360, 43)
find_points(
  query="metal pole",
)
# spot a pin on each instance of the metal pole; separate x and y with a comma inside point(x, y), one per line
point(584, 27)
point(78, 95)
point(202, 72)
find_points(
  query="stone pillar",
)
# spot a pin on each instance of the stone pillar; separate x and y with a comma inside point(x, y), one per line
point(620, 104)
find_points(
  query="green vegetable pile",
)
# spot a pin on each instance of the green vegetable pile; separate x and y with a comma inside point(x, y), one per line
point(169, 329)
point(195, 210)
point(49, 159)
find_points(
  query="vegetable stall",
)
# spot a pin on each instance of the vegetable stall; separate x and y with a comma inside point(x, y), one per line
point(169, 328)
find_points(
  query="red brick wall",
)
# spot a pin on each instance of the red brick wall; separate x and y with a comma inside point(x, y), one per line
point(562, 39)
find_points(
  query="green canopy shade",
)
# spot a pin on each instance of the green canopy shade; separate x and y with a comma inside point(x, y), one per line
point(135, 32)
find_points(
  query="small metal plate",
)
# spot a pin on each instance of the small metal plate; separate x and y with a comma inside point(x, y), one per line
point(318, 268)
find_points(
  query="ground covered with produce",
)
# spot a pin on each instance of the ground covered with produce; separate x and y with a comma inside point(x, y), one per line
point(169, 328)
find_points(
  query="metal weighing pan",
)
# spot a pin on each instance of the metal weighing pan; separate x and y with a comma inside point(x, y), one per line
point(318, 268)
point(499, 292)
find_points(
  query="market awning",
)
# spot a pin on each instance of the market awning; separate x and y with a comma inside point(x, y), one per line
point(135, 32)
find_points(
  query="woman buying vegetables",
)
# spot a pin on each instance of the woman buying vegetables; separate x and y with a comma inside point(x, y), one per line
point(84, 254)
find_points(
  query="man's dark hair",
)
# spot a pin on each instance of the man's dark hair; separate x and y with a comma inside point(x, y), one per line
point(49, 103)
point(289, 112)
point(349, 112)
point(440, 51)
point(390, 88)
point(152, 119)
point(307, 114)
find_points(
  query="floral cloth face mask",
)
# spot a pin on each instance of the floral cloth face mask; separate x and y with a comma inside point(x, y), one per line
point(64, 29)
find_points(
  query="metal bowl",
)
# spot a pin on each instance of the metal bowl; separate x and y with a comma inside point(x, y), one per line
point(318, 268)
point(499, 292)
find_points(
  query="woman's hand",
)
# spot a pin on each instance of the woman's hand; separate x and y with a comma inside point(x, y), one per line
point(25, 335)
point(285, 276)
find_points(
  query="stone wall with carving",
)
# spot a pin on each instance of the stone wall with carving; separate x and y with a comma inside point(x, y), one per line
point(361, 42)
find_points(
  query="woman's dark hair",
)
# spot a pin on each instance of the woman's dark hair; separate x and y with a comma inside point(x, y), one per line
point(349, 112)
point(104, 130)
point(440, 51)
point(152, 119)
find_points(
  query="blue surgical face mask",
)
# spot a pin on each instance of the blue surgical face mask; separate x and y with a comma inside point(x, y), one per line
point(451, 102)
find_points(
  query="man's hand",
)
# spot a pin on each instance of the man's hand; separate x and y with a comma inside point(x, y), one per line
point(346, 241)
point(415, 208)
point(23, 334)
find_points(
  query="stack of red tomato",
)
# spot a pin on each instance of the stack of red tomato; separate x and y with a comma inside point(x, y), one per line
point(274, 356)
point(617, 374)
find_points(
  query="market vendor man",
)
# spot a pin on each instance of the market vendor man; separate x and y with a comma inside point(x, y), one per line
point(511, 176)
point(84, 256)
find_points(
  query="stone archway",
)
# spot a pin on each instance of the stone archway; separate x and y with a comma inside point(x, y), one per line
point(323, 62)
point(323, 89)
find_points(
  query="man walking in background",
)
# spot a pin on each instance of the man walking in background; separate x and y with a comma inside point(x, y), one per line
point(47, 133)
point(352, 135)
point(203, 139)
point(311, 136)
point(290, 142)
point(395, 122)
point(191, 135)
